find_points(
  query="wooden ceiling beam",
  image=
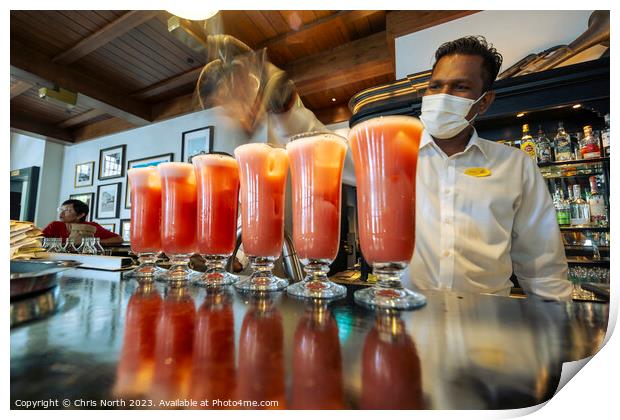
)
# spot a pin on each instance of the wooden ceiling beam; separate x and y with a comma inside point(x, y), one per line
point(26, 124)
point(105, 35)
point(81, 118)
point(33, 66)
point(20, 87)
point(334, 114)
point(310, 29)
point(101, 128)
point(187, 78)
point(349, 63)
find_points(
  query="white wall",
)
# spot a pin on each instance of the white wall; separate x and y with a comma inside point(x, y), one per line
point(155, 139)
point(26, 151)
point(515, 34)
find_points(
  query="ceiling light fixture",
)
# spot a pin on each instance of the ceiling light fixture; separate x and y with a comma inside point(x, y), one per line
point(194, 14)
point(333, 99)
point(520, 114)
point(576, 106)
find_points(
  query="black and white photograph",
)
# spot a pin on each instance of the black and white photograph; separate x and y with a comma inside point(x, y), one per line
point(108, 204)
point(89, 200)
point(112, 162)
point(196, 142)
point(84, 173)
point(125, 231)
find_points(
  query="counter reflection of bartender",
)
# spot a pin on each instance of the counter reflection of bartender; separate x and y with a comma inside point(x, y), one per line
point(72, 215)
point(483, 209)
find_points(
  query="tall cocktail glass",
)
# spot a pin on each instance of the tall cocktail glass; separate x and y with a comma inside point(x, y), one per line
point(262, 170)
point(178, 223)
point(145, 232)
point(385, 154)
point(217, 181)
point(316, 161)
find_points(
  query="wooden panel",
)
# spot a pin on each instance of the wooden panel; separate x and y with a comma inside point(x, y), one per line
point(101, 128)
point(105, 35)
point(80, 119)
point(19, 86)
point(355, 61)
point(403, 22)
point(25, 123)
point(44, 110)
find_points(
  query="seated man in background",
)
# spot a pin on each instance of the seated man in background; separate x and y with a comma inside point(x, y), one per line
point(72, 213)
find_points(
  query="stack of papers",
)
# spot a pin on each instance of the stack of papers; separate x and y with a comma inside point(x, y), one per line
point(26, 241)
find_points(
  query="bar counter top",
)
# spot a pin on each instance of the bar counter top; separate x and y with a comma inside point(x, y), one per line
point(114, 343)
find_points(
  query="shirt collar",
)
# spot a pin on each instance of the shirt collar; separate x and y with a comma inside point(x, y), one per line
point(475, 140)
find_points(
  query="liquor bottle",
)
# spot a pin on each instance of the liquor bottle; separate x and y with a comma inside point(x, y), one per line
point(605, 136)
point(579, 209)
point(527, 142)
point(562, 144)
point(589, 144)
point(598, 212)
point(562, 209)
point(543, 147)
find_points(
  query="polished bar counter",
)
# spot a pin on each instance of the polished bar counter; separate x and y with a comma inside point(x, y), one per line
point(115, 343)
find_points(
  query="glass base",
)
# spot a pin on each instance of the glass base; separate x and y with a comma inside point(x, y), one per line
point(179, 272)
point(215, 274)
point(262, 279)
point(146, 270)
point(317, 285)
point(389, 292)
point(389, 298)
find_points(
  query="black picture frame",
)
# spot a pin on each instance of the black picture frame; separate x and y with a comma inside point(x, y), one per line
point(116, 204)
point(125, 232)
point(112, 170)
point(111, 226)
point(90, 202)
point(189, 150)
point(89, 183)
point(143, 162)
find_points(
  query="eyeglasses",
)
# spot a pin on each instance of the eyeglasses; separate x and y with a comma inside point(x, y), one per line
point(65, 210)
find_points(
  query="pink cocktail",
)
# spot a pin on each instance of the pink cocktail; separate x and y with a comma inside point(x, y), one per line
point(178, 224)
point(316, 162)
point(145, 193)
point(263, 170)
point(217, 181)
point(385, 153)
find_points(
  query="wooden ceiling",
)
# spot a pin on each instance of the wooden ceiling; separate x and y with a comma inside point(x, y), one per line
point(129, 71)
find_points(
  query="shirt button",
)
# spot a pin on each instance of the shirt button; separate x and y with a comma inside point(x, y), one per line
point(445, 253)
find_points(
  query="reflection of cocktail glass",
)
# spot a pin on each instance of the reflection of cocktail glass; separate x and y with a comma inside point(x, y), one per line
point(316, 173)
point(217, 180)
point(145, 221)
point(385, 153)
point(262, 170)
point(178, 225)
point(391, 368)
point(317, 362)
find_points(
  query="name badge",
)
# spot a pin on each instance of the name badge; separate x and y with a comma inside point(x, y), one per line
point(477, 172)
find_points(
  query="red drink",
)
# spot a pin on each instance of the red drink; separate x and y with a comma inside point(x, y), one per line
point(217, 182)
point(316, 169)
point(145, 209)
point(316, 175)
point(263, 171)
point(385, 152)
point(178, 227)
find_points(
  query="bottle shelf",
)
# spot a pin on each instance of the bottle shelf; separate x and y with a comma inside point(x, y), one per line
point(585, 248)
point(587, 261)
point(574, 162)
point(585, 228)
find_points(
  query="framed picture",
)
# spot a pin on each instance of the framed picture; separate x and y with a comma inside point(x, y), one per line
point(141, 163)
point(112, 162)
point(195, 142)
point(108, 200)
point(109, 226)
point(89, 200)
point(126, 229)
point(84, 173)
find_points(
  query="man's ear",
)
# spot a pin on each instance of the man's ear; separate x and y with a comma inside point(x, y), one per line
point(486, 102)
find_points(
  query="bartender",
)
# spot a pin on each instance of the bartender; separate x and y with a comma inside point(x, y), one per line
point(483, 209)
point(72, 215)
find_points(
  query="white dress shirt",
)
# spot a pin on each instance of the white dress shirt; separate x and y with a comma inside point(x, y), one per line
point(472, 232)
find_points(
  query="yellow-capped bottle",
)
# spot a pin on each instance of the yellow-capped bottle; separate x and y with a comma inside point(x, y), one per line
point(527, 142)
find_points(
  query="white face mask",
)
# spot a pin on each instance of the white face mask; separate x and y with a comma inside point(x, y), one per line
point(444, 115)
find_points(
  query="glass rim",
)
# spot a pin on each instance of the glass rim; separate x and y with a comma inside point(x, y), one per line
point(379, 117)
point(316, 133)
point(273, 146)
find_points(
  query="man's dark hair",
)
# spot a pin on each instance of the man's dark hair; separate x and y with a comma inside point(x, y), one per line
point(79, 207)
point(474, 45)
